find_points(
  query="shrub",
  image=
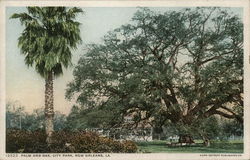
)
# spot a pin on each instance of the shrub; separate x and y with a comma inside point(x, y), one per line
point(25, 141)
point(129, 146)
point(64, 142)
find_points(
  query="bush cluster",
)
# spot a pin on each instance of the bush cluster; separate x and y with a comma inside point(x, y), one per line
point(21, 141)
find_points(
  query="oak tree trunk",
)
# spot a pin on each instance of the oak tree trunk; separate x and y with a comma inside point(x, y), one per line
point(49, 110)
point(206, 140)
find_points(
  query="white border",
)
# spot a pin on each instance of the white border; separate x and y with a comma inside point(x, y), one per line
point(148, 3)
point(2, 78)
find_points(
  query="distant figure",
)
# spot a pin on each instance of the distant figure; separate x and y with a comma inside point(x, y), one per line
point(206, 143)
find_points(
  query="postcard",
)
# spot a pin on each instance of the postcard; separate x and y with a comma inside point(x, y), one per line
point(124, 79)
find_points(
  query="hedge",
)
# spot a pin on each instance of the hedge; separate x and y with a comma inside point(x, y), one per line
point(22, 141)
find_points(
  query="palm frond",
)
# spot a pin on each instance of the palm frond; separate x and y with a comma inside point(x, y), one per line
point(49, 37)
point(71, 14)
point(24, 17)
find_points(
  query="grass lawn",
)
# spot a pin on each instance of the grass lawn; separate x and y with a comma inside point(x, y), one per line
point(216, 147)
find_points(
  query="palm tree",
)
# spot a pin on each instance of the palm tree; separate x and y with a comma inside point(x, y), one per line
point(50, 35)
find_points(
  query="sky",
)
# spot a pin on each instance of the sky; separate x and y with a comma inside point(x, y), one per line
point(25, 87)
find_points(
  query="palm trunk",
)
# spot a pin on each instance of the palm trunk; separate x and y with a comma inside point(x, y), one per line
point(49, 110)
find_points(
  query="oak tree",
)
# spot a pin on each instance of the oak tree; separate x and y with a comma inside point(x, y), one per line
point(178, 66)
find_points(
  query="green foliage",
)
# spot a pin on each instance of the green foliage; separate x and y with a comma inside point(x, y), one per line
point(14, 112)
point(17, 118)
point(232, 128)
point(49, 37)
point(74, 121)
point(93, 118)
point(180, 66)
point(60, 121)
point(21, 141)
point(210, 127)
point(213, 128)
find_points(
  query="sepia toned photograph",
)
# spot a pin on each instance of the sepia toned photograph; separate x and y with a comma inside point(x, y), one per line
point(135, 80)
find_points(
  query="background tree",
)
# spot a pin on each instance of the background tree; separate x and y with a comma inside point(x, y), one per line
point(17, 118)
point(182, 66)
point(47, 42)
point(14, 115)
point(74, 121)
point(232, 128)
point(80, 118)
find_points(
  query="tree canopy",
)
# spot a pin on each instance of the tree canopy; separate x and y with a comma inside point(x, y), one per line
point(178, 66)
point(49, 36)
